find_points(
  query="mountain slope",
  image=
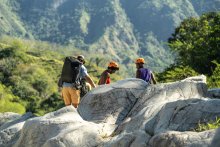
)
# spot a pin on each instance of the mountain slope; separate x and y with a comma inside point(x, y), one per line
point(114, 29)
point(202, 6)
point(29, 73)
point(9, 21)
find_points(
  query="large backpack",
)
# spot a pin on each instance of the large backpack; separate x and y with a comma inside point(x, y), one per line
point(71, 70)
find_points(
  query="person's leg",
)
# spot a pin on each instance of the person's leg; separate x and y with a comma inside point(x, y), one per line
point(66, 96)
point(75, 97)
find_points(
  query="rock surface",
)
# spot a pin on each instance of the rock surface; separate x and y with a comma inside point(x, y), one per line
point(7, 117)
point(214, 93)
point(10, 131)
point(182, 139)
point(64, 127)
point(126, 113)
point(111, 103)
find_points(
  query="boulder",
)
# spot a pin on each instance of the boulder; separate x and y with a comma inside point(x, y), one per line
point(214, 93)
point(10, 131)
point(7, 117)
point(145, 114)
point(64, 127)
point(111, 103)
point(182, 139)
point(216, 138)
point(185, 115)
point(129, 112)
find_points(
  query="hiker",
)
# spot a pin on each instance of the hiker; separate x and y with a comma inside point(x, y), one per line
point(72, 73)
point(105, 76)
point(144, 73)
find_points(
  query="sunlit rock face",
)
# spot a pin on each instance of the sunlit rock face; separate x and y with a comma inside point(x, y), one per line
point(129, 112)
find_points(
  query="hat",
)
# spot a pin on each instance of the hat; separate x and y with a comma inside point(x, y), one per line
point(113, 65)
point(81, 58)
point(140, 60)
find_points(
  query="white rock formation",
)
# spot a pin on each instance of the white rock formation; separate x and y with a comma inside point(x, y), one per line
point(10, 131)
point(7, 117)
point(111, 103)
point(126, 113)
point(62, 128)
point(182, 139)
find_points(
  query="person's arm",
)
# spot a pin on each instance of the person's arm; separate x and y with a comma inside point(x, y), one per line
point(138, 74)
point(103, 78)
point(90, 81)
point(153, 78)
point(85, 74)
point(60, 84)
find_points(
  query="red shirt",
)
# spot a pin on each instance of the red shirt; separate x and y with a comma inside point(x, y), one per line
point(105, 78)
point(108, 80)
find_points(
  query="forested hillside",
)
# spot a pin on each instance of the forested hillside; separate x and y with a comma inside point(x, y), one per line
point(29, 71)
point(101, 30)
point(196, 43)
point(115, 29)
point(30, 75)
point(10, 23)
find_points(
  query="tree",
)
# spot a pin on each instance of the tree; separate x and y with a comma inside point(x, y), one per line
point(174, 73)
point(197, 42)
point(214, 80)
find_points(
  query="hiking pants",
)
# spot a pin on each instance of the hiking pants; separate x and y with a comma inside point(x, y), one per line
point(71, 96)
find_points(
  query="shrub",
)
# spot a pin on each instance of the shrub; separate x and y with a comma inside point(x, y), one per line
point(9, 102)
point(214, 80)
point(208, 126)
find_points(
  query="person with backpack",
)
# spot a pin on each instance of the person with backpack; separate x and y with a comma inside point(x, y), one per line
point(105, 76)
point(144, 73)
point(72, 73)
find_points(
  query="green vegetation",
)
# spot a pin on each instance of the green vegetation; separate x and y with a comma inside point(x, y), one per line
point(9, 21)
point(214, 79)
point(29, 72)
point(208, 126)
point(196, 44)
point(10, 102)
point(175, 73)
point(196, 41)
point(31, 76)
point(102, 31)
point(84, 21)
point(117, 30)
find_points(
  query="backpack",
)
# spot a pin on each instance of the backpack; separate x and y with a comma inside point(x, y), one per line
point(145, 74)
point(71, 70)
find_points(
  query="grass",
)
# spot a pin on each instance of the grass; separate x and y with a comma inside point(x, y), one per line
point(208, 126)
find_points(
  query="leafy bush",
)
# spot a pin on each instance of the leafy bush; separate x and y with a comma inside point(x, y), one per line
point(175, 73)
point(196, 41)
point(208, 126)
point(214, 80)
point(9, 102)
point(32, 77)
point(50, 104)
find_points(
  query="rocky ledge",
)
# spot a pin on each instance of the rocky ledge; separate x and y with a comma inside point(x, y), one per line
point(126, 113)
